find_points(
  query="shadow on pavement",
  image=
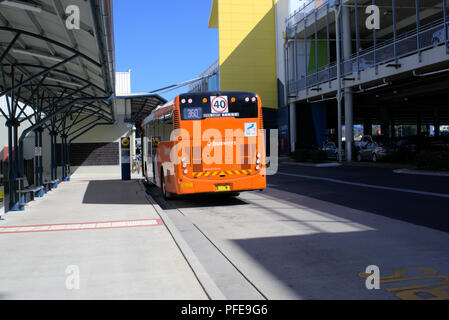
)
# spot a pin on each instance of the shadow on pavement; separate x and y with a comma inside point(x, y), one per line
point(418, 209)
point(192, 201)
point(334, 244)
point(113, 192)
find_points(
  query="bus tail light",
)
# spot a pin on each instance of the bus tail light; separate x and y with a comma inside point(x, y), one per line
point(190, 101)
point(183, 101)
point(247, 99)
point(253, 99)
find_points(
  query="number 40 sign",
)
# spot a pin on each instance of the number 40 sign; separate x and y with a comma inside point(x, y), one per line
point(219, 104)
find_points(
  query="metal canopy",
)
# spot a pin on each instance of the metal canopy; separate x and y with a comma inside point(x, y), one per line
point(45, 60)
point(63, 72)
point(141, 107)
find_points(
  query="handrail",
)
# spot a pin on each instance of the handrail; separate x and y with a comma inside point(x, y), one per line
point(313, 79)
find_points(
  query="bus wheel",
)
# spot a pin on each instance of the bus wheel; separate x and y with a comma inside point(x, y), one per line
point(167, 195)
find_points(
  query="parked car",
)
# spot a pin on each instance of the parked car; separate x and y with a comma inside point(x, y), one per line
point(369, 139)
point(439, 36)
point(363, 142)
point(437, 143)
point(331, 150)
point(376, 151)
point(409, 147)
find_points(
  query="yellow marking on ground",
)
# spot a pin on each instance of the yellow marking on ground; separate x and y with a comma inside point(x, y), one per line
point(435, 289)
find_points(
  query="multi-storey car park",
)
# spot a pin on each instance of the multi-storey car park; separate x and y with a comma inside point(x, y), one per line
point(393, 75)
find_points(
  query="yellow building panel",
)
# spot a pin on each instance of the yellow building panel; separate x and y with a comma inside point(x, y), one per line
point(213, 19)
point(247, 46)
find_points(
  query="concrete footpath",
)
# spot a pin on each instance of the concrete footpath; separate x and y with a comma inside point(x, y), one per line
point(92, 238)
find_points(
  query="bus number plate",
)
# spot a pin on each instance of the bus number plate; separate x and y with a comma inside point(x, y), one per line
point(223, 188)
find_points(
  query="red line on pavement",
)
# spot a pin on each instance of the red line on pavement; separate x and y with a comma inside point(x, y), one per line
point(154, 223)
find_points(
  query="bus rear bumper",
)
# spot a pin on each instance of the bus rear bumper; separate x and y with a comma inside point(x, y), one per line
point(192, 186)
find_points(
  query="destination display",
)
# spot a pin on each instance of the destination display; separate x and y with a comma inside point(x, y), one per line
point(195, 113)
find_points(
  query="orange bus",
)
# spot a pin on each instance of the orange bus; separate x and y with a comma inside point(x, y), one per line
point(206, 142)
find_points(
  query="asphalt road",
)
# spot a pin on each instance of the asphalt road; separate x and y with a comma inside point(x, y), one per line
point(397, 196)
point(313, 232)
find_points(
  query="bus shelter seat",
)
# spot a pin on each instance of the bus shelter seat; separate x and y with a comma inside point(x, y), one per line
point(27, 189)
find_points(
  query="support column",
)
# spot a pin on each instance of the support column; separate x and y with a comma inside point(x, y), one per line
point(367, 127)
point(41, 163)
point(436, 121)
point(384, 123)
point(36, 158)
point(392, 129)
point(64, 157)
point(292, 111)
point(53, 155)
point(62, 153)
point(11, 167)
point(68, 159)
point(418, 122)
point(347, 52)
point(38, 180)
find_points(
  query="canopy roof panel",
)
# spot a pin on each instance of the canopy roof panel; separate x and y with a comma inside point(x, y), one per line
point(46, 64)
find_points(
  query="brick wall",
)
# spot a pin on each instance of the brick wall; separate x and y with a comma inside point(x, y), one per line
point(92, 154)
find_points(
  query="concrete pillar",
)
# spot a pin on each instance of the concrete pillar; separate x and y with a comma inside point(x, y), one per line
point(367, 127)
point(349, 112)
point(292, 111)
point(384, 123)
point(133, 146)
point(436, 121)
point(418, 122)
point(392, 129)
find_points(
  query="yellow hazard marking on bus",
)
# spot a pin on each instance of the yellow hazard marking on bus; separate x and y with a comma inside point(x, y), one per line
point(221, 173)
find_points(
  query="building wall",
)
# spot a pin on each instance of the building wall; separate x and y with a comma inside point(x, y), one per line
point(4, 129)
point(247, 46)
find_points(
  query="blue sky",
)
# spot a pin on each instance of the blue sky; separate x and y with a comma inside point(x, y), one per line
point(163, 42)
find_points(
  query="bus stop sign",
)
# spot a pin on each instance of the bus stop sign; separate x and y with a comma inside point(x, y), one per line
point(126, 158)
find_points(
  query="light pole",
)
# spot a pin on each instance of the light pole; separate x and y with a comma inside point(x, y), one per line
point(337, 11)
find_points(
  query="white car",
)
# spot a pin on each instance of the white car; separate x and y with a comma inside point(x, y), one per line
point(364, 142)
